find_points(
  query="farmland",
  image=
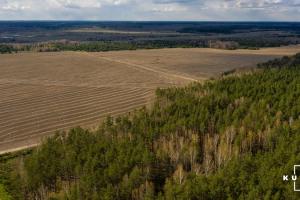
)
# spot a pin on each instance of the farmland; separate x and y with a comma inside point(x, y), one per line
point(46, 92)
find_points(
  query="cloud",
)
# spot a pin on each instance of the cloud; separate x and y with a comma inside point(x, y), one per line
point(168, 8)
point(262, 4)
point(175, 1)
point(83, 4)
point(151, 9)
point(77, 4)
point(13, 6)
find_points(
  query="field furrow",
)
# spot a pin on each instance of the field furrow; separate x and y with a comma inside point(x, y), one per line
point(63, 99)
point(90, 119)
point(71, 113)
point(54, 107)
point(21, 98)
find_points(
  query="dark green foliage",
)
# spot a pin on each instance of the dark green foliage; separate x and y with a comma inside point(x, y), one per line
point(285, 62)
point(102, 46)
point(116, 46)
point(6, 49)
point(232, 138)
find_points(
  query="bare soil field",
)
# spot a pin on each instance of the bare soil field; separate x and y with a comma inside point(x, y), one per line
point(46, 92)
point(200, 62)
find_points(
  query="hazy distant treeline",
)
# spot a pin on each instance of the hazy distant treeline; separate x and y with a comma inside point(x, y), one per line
point(114, 46)
point(7, 49)
point(99, 46)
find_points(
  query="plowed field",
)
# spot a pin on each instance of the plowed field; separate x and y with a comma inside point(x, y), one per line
point(45, 92)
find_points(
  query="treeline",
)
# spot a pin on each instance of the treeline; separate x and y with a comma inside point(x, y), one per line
point(262, 41)
point(103, 46)
point(227, 43)
point(231, 138)
point(240, 27)
point(285, 62)
point(4, 49)
point(100, 46)
point(115, 46)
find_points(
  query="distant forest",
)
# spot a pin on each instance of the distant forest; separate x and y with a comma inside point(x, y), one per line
point(183, 26)
point(102, 46)
point(108, 36)
point(230, 138)
point(98, 46)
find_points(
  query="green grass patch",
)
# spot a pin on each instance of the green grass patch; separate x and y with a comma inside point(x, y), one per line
point(3, 194)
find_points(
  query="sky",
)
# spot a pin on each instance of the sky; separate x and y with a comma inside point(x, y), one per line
point(151, 10)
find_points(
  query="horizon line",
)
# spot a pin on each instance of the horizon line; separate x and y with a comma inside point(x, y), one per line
point(193, 21)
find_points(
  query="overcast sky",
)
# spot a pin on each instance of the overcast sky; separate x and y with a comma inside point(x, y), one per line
point(198, 10)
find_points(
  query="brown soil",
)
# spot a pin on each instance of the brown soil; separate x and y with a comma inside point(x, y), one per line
point(45, 92)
